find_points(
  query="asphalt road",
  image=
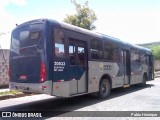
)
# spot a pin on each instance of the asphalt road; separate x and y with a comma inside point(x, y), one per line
point(122, 99)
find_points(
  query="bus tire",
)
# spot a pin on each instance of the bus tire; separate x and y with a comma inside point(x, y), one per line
point(104, 89)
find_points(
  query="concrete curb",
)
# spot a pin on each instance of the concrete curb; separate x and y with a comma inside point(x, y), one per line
point(9, 96)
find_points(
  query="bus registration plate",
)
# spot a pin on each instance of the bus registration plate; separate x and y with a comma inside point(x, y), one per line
point(22, 77)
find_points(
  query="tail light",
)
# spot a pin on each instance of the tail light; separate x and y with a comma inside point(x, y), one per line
point(42, 73)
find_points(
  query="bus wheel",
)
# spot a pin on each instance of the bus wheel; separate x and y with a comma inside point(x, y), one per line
point(104, 88)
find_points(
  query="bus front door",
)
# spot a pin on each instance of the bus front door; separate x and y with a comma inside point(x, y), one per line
point(151, 67)
point(77, 66)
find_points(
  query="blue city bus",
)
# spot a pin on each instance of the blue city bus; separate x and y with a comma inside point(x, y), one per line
point(63, 60)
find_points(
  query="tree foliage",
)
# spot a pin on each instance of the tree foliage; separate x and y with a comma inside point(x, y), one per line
point(84, 17)
point(156, 51)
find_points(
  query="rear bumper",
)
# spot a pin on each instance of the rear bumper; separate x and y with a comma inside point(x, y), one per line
point(44, 88)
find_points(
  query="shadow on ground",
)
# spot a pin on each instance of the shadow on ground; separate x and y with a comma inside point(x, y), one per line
point(57, 106)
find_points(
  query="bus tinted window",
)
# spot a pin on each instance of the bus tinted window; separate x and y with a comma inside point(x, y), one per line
point(143, 59)
point(81, 59)
point(59, 42)
point(135, 56)
point(96, 49)
point(72, 54)
point(25, 36)
point(111, 51)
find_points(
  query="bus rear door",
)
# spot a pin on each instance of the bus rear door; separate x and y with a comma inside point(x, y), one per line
point(151, 67)
point(77, 66)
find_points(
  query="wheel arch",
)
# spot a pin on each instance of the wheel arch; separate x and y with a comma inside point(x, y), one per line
point(145, 75)
point(108, 77)
point(105, 86)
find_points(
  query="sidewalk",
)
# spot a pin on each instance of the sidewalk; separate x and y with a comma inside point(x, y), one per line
point(4, 89)
point(10, 95)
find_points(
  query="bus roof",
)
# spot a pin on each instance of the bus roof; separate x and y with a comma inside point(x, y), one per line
point(91, 33)
point(80, 30)
point(100, 35)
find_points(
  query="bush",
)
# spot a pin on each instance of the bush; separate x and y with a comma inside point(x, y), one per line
point(156, 51)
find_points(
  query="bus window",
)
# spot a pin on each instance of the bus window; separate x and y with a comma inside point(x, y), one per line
point(72, 55)
point(59, 42)
point(111, 52)
point(81, 55)
point(143, 59)
point(135, 56)
point(96, 49)
point(26, 36)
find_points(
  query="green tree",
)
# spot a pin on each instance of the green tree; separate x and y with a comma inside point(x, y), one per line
point(84, 17)
point(156, 51)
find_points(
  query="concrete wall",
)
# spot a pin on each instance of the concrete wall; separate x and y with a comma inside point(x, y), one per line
point(4, 78)
point(157, 65)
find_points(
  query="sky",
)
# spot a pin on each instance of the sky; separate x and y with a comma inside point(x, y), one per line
point(133, 21)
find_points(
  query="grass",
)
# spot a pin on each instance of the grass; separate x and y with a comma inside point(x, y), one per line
point(14, 92)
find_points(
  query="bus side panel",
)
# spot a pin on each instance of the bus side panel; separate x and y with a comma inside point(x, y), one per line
point(61, 89)
point(136, 73)
point(98, 69)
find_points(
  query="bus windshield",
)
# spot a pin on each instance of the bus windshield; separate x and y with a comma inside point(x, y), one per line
point(25, 36)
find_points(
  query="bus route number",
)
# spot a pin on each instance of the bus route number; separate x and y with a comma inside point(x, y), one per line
point(59, 66)
point(59, 63)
